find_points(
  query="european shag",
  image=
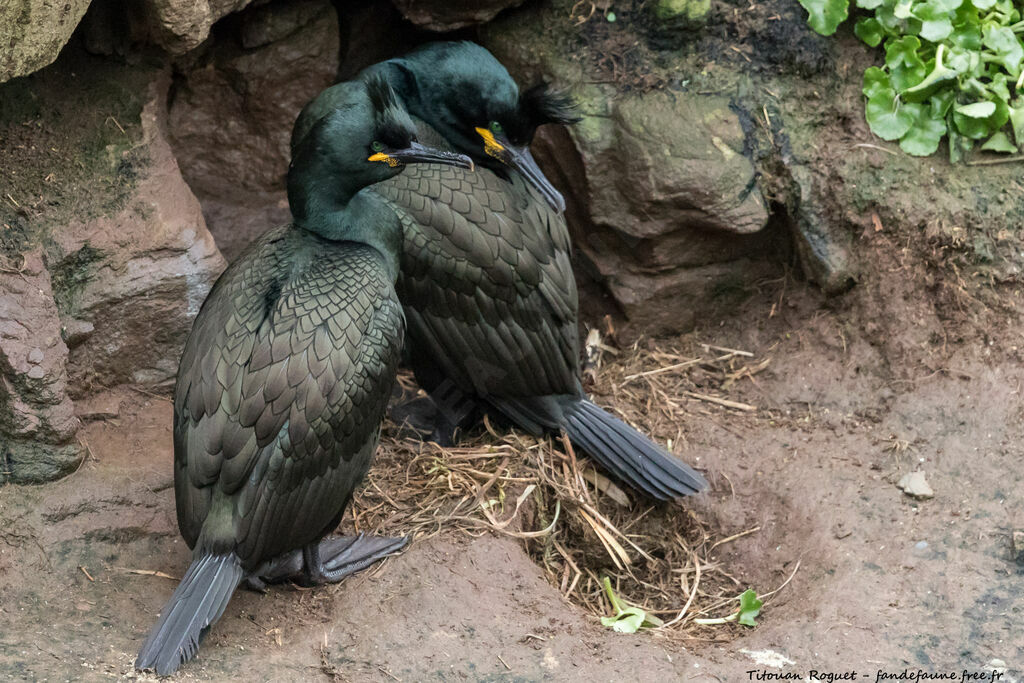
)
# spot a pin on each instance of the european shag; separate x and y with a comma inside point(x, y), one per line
point(486, 283)
point(286, 375)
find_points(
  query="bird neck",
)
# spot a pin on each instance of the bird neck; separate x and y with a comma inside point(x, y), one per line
point(365, 219)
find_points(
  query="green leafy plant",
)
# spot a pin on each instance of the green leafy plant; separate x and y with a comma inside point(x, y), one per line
point(750, 608)
point(627, 619)
point(953, 68)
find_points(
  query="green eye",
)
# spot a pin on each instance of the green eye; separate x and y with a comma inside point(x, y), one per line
point(496, 128)
point(377, 146)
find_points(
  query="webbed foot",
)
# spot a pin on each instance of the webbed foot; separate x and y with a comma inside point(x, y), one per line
point(416, 415)
point(334, 558)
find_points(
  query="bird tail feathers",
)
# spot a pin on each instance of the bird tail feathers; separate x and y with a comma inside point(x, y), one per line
point(629, 455)
point(199, 601)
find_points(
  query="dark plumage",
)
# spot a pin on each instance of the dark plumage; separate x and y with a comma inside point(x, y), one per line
point(286, 375)
point(486, 283)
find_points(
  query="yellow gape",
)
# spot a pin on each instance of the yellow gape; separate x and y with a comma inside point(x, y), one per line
point(386, 158)
point(491, 146)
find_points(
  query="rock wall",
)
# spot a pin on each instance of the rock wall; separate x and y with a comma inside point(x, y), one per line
point(32, 33)
point(666, 205)
point(37, 419)
point(448, 15)
point(140, 274)
point(232, 109)
point(181, 25)
point(104, 254)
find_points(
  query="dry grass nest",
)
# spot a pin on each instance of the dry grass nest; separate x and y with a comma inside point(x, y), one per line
point(571, 519)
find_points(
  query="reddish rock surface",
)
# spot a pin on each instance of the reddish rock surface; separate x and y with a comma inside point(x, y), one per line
point(141, 273)
point(37, 420)
point(180, 25)
point(664, 205)
point(232, 111)
point(447, 15)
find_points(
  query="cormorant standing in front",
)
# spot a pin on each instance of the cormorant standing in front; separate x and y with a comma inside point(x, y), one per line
point(286, 376)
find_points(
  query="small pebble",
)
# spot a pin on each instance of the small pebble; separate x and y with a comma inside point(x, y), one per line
point(1017, 545)
point(998, 666)
point(35, 356)
point(916, 486)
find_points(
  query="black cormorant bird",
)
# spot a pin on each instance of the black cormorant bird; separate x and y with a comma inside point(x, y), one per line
point(286, 376)
point(486, 283)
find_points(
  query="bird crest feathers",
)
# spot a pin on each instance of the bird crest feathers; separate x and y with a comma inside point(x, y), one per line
point(391, 120)
point(386, 107)
point(544, 104)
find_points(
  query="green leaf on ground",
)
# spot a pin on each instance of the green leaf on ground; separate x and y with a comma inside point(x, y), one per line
point(941, 102)
point(824, 16)
point(1000, 142)
point(971, 121)
point(951, 68)
point(869, 30)
point(999, 87)
point(1017, 121)
point(925, 133)
point(903, 9)
point(936, 24)
point(750, 607)
point(627, 618)
point(939, 76)
point(888, 117)
point(905, 65)
point(1003, 42)
point(977, 110)
point(877, 81)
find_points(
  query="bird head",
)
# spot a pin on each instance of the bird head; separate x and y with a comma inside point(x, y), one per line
point(365, 138)
point(461, 90)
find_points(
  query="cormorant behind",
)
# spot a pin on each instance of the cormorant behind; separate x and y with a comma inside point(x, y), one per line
point(487, 283)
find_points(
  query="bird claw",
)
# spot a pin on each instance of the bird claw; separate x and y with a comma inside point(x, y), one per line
point(255, 584)
point(278, 570)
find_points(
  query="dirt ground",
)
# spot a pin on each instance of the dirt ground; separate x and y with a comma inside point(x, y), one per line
point(852, 399)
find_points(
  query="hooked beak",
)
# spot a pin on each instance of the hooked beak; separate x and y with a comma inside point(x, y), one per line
point(521, 160)
point(416, 153)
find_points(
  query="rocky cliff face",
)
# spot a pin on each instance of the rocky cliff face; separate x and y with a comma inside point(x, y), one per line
point(232, 107)
point(32, 33)
point(105, 253)
point(720, 145)
point(37, 419)
point(139, 275)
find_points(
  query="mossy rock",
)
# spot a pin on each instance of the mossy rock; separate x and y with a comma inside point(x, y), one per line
point(679, 15)
point(33, 32)
point(32, 462)
point(71, 135)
